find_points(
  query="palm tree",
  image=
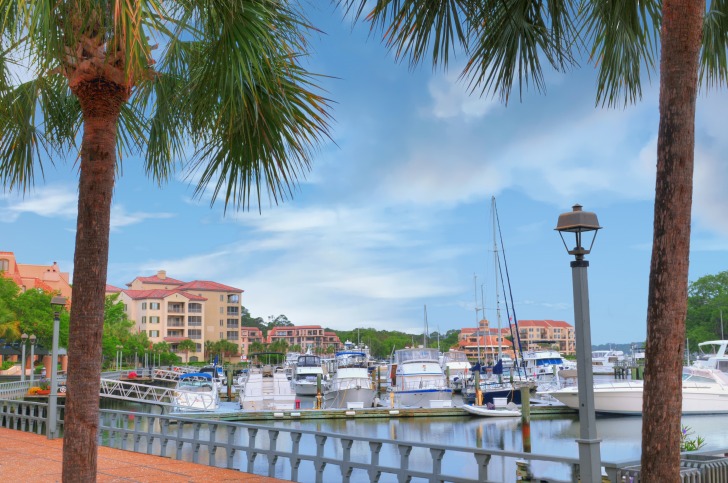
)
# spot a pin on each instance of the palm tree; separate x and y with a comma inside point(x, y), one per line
point(186, 346)
point(154, 77)
point(507, 41)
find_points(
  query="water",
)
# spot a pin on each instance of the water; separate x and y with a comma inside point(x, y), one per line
point(553, 435)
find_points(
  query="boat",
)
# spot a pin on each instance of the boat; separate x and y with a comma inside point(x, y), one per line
point(417, 380)
point(704, 391)
point(307, 375)
point(604, 361)
point(266, 387)
point(713, 354)
point(456, 366)
point(485, 411)
point(351, 386)
point(544, 365)
point(196, 391)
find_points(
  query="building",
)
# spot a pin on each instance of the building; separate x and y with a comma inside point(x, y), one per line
point(46, 277)
point(306, 336)
point(170, 310)
point(483, 343)
point(547, 334)
point(250, 335)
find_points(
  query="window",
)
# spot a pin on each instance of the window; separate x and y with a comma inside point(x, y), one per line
point(232, 311)
point(194, 320)
point(232, 335)
point(195, 308)
point(144, 319)
point(221, 322)
point(154, 319)
point(232, 323)
point(221, 310)
point(221, 335)
point(233, 298)
point(153, 305)
point(153, 333)
point(198, 347)
point(144, 306)
point(4, 265)
point(222, 298)
point(195, 334)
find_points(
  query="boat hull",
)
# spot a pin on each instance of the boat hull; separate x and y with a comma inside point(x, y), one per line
point(423, 398)
point(483, 411)
point(345, 397)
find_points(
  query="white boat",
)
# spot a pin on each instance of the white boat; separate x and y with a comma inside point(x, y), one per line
point(196, 391)
point(417, 380)
point(604, 361)
point(456, 367)
point(351, 386)
point(492, 413)
point(713, 354)
point(266, 387)
point(544, 365)
point(704, 391)
point(308, 371)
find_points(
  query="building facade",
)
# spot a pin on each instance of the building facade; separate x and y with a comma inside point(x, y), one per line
point(484, 343)
point(306, 336)
point(170, 310)
point(548, 334)
point(46, 277)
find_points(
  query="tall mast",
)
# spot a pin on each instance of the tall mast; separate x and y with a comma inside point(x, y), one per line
point(477, 321)
point(495, 273)
point(426, 328)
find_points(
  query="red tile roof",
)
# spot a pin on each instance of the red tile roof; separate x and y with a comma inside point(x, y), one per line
point(112, 289)
point(159, 294)
point(544, 323)
point(208, 285)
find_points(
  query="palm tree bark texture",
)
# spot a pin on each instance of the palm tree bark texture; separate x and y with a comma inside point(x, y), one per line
point(101, 100)
point(668, 285)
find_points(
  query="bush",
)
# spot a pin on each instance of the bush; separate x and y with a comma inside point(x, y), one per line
point(6, 365)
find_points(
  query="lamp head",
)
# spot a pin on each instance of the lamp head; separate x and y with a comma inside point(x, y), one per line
point(57, 302)
point(24, 337)
point(577, 222)
point(33, 339)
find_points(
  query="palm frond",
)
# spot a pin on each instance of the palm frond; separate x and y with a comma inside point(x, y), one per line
point(625, 37)
point(510, 36)
point(713, 62)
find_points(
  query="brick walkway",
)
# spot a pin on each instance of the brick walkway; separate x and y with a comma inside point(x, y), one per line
point(31, 457)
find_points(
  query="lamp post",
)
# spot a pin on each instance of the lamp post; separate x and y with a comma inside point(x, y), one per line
point(118, 357)
point(23, 339)
point(33, 340)
point(57, 303)
point(578, 222)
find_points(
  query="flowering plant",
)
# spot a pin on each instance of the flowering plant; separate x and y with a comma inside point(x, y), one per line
point(44, 384)
point(690, 444)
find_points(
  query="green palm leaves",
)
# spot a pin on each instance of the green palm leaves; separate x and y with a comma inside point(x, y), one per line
point(214, 86)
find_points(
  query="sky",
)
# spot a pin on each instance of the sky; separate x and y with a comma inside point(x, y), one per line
point(395, 214)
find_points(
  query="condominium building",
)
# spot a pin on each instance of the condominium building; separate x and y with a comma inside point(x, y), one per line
point(555, 334)
point(484, 343)
point(171, 310)
point(306, 336)
point(249, 335)
point(46, 277)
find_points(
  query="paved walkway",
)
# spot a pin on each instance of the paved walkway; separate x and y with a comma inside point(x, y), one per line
point(31, 457)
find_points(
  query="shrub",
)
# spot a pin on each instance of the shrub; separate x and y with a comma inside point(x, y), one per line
point(690, 444)
point(6, 365)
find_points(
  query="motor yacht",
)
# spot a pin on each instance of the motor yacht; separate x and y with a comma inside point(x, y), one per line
point(196, 391)
point(417, 380)
point(456, 366)
point(351, 385)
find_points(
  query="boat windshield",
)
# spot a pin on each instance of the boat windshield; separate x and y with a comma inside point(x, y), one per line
point(351, 359)
point(455, 357)
point(709, 349)
point(415, 355)
point(549, 361)
point(309, 361)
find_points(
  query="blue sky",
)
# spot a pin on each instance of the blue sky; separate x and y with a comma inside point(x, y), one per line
point(395, 214)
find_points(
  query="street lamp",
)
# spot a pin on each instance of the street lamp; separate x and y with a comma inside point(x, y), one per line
point(578, 222)
point(23, 339)
point(57, 303)
point(33, 339)
point(118, 356)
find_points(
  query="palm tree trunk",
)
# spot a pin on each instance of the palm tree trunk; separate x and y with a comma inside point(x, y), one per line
point(668, 290)
point(100, 103)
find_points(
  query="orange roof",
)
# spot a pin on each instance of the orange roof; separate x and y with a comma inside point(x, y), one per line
point(159, 294)
point(156, 279)
point(112, 289)
point(207, 285)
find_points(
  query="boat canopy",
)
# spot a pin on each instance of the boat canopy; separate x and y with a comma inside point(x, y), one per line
point(308, 361)
point(548, 362)
point(455, 356)
point(415, 355)
point(196, 375)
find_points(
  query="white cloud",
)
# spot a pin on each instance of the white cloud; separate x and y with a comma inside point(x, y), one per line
point(451, 98)
point(47, 201)
point(120, 217)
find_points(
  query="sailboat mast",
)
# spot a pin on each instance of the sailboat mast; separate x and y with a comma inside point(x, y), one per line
point(426, 328)
point(495, 273)
point(477, 321)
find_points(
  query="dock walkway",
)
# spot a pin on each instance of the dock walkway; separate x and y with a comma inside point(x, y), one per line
point(31, 457)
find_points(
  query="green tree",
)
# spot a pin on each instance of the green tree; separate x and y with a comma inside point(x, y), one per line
point(507, 41)
point(186, 346)
point(256, 347)
point(227, 80)
point(9, 323)
point(707, 308)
